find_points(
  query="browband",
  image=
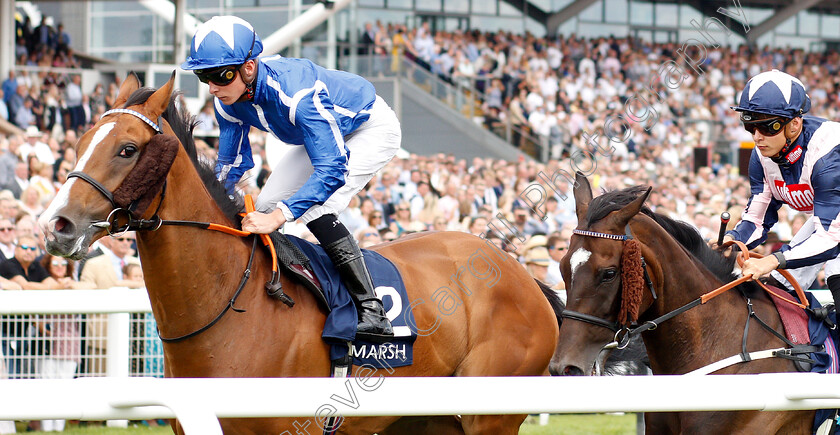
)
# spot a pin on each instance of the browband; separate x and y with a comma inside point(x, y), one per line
point(138, 115)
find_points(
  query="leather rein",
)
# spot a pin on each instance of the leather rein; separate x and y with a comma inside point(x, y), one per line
point(132, 223)
point(623, 333)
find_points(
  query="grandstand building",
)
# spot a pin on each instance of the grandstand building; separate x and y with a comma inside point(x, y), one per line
point(808, 24)
point(143, 36)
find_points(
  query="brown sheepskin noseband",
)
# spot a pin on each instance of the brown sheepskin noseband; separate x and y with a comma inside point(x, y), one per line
point(146, 179)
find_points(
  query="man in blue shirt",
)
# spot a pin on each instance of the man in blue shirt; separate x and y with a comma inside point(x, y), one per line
point(796, 161)
point(342, 133)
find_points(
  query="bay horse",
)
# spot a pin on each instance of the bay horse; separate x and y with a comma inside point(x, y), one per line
point(677, 267)
point(497, 321)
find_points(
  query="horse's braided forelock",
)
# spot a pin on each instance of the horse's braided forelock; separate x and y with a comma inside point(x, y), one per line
point(632, 282)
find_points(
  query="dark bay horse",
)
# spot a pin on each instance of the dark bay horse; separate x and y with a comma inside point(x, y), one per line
point(496, 320)
point(680, 267)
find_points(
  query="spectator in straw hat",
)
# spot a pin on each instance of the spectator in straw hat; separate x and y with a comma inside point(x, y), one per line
point(537, 261)
point(35, 145)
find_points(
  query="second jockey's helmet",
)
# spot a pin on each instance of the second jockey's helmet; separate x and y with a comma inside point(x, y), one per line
point(774, 93)
point(222, 41)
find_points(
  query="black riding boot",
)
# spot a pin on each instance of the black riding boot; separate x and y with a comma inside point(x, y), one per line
point(834, 285)
point(347, 258)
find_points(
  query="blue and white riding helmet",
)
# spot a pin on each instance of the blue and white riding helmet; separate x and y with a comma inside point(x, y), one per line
point(222, 41)
point(774, 93)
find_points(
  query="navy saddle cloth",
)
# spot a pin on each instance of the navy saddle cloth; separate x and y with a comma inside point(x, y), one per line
point(340, 327)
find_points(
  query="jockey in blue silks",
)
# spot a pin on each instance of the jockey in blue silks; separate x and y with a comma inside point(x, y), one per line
point(796, 161)
point(342, 134)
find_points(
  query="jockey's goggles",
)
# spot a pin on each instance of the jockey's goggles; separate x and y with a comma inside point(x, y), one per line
point(767, 127)
point(221, 76)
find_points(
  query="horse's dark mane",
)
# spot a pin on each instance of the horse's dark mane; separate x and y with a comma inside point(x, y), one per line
point(182, 123)
point(687, 236)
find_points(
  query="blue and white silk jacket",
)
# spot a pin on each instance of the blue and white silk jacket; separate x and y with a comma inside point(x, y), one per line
point(300, 103)
point(809, 182)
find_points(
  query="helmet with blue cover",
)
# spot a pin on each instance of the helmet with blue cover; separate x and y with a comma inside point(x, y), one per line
point(771, 100)
point(773, 94)
point(223, 41)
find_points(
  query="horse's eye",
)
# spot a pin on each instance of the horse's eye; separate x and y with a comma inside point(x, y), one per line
point(128, 151)
point(608, 275)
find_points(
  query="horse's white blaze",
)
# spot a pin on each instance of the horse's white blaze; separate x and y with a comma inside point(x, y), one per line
point(63, 196)
point(580, 257)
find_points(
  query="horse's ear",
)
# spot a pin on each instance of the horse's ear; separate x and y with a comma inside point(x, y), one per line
point(129, 85)
point(583, 195)
point(623, 216)
point(159, 100)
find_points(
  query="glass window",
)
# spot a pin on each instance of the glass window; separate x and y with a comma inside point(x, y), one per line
point(798, 42)
point(189, 85)
point(484, 7)
point(594, 12)
point(458, 6)
point(104, 30)
point(666, 15)
point(593, 30)
point(407, 4)
point(788, 27)
point(265, 22)
point(494, 24)
point(615, 11)
point(386, 16)
point(165, 32)
point(560, 4)
point(114, 7)
point(768, 38)
point(536, 28)
point(831, 26)
point(508, 10)
point(641, 13)
point(429, 5)
point(756, 15)
point(644, 35)
point(688, 13)
point(567, 28)
point(809, 23)
point(128, 56)
point(197, 3)
point(372, 3)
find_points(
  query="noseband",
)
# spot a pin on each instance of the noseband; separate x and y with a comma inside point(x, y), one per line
point(111, 223)
point(598, 321)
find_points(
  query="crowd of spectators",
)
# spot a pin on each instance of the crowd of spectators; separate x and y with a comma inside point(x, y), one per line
point(556, 89)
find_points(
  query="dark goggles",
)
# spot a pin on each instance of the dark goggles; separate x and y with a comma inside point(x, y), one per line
point(767, 127)
point(221, 76)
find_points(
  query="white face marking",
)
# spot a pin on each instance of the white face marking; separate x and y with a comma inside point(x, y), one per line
point(63, 196)
point(580, 257)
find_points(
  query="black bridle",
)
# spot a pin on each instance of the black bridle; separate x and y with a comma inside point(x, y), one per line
point(622, 332)
point(133, 223)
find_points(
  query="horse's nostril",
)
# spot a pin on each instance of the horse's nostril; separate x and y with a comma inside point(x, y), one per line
point(572, 371)
point(63, 225)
